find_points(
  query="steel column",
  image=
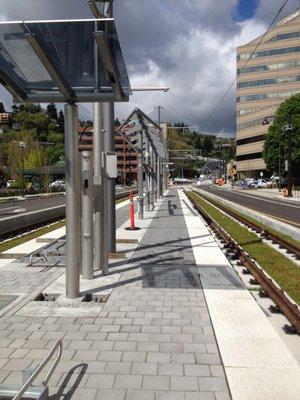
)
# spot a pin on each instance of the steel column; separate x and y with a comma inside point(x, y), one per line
point(147, 174)
point(151, 177)
point(109, 145)
point(140, 177)
point(154, 177)
point(87, 216)
point(72, 202)
point(100, 250)
point(158, 177)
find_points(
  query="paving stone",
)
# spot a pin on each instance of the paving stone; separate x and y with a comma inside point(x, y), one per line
point(151, 329)
point(138, 356)
point(171, 329)
point(194, 348)
point(140, 395)
point(75, 335)
point(200, 396)
point(124, 346)
point(170, 369)
point(209, 359)
point(131, 328)
point(118, 368)
point(222, 396)
point(171, 347)
point(106, 355)
point(110, 394)
point(80, 344)
point(100, 381)
point(158, 357)
point(110, 328)
point(102, 345)
point(147, 346)
point(212, 384)
point(128, 382)
point(196, 370)
point(183, 358)
point(171, 395)
point(83, 393)
point(151, 382)
point(5, 353)
point(86, 355)
point(19, 353)
point(118, 336)
point(217, 370)
point(184, 383)
point(143, 368)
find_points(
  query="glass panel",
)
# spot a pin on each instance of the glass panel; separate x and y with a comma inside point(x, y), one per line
point(70, 47)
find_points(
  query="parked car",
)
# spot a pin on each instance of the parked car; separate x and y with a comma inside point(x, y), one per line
point(10, 183)
point(59, 184)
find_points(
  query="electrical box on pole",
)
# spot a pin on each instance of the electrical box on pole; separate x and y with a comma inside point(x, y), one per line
point(110, 164)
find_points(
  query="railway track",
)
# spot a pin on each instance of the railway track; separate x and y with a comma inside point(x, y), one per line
point(42, 219)
point(269, 286)
point(264, 232)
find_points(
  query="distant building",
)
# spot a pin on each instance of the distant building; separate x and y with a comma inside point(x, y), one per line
point(126, 155)
point(271, 76)
point(4, 118)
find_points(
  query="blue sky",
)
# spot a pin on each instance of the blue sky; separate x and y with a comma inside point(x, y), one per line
point(245, 9)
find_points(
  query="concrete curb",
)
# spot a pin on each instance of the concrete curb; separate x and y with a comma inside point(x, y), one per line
point(260, 217)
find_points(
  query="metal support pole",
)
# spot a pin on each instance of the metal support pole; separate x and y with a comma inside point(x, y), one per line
point(140, 177)
point(158, 177)
point(87, 215)
point(151, 177)
point(109, 145)
point(72, 202)
point(100, 250)
point(147, 173)
point(155, 198)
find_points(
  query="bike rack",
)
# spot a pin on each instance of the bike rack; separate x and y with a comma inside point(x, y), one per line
point(27, 390)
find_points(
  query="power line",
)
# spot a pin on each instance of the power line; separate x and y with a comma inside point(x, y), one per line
point(246, 63)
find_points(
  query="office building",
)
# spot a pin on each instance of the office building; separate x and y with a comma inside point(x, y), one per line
point(271, 75)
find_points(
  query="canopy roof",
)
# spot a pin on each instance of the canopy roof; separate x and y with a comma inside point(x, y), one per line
point(54, 61)
point(138, 122)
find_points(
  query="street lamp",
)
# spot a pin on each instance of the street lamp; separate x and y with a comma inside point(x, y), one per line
point(22, 146)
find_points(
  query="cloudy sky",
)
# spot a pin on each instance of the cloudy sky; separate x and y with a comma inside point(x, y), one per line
point(187, 45)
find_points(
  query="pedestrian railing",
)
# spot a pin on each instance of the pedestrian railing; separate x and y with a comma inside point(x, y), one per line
point(29, 391)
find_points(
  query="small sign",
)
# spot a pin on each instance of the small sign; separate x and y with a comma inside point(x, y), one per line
point(286, 165)
point(261, 174)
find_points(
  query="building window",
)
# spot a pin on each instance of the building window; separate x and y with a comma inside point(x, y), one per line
point(269, 53)
point(252, 156)
point(266, 96)
point(269, 67)
point(255, 122)
point(252, 139)
point(284, 36)
point(269, 81)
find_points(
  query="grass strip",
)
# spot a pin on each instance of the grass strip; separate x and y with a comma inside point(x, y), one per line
point(279, 267)
point(32, 235)
point(281, 235)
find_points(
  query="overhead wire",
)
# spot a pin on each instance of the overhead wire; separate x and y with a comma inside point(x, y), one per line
point(246, 63)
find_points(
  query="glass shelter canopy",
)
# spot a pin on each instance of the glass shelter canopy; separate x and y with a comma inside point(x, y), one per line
point(138, 122)
point(54, 61)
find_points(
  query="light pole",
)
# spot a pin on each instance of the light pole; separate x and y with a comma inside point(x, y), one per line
point(288, 128)
point(22, 146)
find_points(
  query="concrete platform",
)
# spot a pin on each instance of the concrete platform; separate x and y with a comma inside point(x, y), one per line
point(253, 353)
point(177, 322)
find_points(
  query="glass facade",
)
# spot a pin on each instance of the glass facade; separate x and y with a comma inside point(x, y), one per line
point(266, 96)
point(285, 36)
point(252, 139)
point(269, 67)
point(255, 122)
point(269, 53)
point(269, 81)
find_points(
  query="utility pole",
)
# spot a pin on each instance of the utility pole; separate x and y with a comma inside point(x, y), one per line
point(159, 108)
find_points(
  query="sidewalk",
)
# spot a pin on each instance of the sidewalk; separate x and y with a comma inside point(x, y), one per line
point(155, 336)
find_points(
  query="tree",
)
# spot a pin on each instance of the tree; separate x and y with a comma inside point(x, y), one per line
point(276, 140)
point(52, 111)
point(2, 108)
point(61, 121)
point(207, 146)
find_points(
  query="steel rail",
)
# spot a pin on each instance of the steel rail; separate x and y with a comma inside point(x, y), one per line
point(258, 229)
point(274, 292)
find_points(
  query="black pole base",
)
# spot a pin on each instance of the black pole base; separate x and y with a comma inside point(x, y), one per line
point(130, 228)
